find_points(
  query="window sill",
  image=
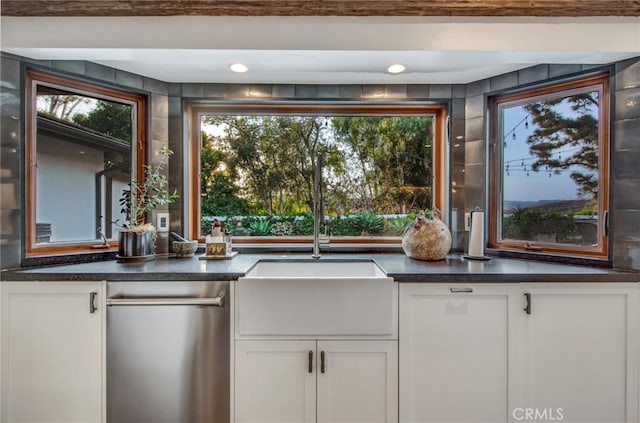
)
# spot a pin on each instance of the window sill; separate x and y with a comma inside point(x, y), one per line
point(550, 258)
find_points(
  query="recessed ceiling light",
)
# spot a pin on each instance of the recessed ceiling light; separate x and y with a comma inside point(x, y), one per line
point(397, 68)
point(238, 67)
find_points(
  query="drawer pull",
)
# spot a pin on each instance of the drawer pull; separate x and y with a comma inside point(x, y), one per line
point(527, 308)
point(92, 302)
point(461, 290)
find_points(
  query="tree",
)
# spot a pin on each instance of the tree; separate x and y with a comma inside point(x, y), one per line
point(379, 164)
point(394, 157)
point(250, 144)
point(219, 194)
point(61, 106)
point(113, 119)
point(276, 156)
point(576, 131)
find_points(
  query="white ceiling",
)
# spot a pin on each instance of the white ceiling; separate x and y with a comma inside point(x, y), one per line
point(323, 49)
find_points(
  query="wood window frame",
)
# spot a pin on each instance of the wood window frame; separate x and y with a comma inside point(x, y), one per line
point(33, 78)
point(194, 112)
point(599, 82)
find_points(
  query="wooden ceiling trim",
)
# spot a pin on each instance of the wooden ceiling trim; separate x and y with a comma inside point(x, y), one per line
point(107, 8)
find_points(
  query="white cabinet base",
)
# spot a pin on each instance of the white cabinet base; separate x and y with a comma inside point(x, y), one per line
point(273, 382)
point(580, 350)
point(52, 352)
point(286, 381)
point(359, 382)
point(457, 354)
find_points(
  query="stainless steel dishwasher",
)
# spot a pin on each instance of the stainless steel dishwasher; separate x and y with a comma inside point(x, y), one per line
point(168, 352)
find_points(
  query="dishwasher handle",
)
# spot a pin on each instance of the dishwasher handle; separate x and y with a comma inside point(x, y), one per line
point(215, 302)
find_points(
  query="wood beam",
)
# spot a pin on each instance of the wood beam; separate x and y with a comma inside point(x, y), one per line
point(541, 8)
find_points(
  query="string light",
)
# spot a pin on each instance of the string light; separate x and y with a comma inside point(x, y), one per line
point(512, 132)
point(525, 165)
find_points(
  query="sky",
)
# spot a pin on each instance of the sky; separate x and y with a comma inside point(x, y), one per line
point(521, 183)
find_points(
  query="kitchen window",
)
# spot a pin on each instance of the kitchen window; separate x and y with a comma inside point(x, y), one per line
point(549, 188)
point(82, 143)
point(256, 166)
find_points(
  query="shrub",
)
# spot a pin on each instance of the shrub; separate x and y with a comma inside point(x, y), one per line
point(396, 226)
point(368, 223)
point(526, 225)
point(302, 225)
point(261, 227)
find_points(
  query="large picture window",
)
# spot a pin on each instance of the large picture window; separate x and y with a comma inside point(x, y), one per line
point(257, 167)
point(83, 141)
point(550, 171)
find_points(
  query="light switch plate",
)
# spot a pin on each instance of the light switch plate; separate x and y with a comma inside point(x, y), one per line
point(162, 224)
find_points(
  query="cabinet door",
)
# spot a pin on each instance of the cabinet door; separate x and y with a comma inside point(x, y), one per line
point(457, 352)
point(52, 352)
point(275, 381)
point(581, 351)
point(357, 381)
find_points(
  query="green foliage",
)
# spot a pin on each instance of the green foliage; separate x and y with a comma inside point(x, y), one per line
point(261, 227)
point(589, 209)
point(219, 193)
point(277, 156)
point(142, 198)
point(394, 156)
point(236, 226)
point(342, 226)
point(303, 225)
point(527, 225)
point(369, 224)
point(265, 164)
point(396, 226)
point(555, 131)
point(113, 119)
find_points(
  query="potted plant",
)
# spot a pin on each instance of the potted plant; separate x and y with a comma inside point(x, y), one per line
point(136, 238)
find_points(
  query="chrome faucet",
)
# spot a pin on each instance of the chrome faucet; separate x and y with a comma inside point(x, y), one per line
point(317, 207)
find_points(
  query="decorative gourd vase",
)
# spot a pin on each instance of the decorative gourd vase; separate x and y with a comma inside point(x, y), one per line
point(427, 239)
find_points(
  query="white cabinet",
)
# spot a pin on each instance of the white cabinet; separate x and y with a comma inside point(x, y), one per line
point(287, 381)
point(52, 351)
point(358, 381)
point(457, 352)
point(580, 349)
point(275, 381)
point(480, 356)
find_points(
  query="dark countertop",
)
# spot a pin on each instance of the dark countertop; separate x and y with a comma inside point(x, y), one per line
point(402, 268)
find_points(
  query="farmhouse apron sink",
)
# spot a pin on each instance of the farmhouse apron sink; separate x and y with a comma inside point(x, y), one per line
point(315, 298)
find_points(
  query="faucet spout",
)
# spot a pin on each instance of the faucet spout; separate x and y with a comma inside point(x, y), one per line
point(317, 207)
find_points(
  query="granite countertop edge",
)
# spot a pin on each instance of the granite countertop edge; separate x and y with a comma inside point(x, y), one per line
point(454, 269)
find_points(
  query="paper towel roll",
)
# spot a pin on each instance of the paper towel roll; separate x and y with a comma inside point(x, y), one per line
point(476, 238)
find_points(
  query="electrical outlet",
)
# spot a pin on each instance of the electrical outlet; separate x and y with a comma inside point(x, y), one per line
point(162, 222)
point(467, 222)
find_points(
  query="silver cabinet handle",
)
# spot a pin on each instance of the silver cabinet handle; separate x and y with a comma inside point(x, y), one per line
point(216, 302)
point(461, 290)
point(92, 302)
point(527, 296)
